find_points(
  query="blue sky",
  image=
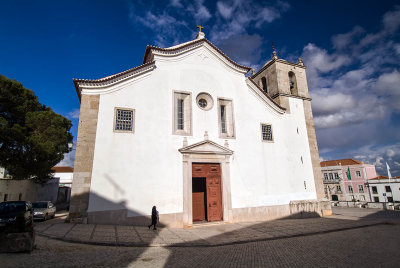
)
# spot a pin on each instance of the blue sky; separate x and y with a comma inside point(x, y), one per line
point(351, 50)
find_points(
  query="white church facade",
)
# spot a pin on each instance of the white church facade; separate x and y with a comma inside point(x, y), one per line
point(188, 132)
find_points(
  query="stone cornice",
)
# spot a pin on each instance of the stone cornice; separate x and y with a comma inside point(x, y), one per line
point(112, 79)
point(289, 95)
point(250, 82)
point(277, 60)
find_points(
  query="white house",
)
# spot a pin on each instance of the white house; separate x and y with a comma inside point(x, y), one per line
point(384, 189)
point(188, 132)
point(65, 174)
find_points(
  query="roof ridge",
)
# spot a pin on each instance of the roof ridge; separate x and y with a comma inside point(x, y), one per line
point(265, 94)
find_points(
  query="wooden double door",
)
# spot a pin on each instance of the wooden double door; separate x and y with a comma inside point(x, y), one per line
point(206, 192)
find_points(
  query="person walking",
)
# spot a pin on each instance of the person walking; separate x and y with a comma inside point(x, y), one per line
point(154, 218)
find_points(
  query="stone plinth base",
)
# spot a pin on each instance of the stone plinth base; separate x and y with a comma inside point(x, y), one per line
point(17, 242)
point(119, 217)
point(310, 208)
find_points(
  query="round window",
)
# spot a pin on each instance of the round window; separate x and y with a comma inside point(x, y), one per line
point(204, 101)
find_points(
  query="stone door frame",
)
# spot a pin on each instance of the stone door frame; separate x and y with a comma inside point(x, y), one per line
point(216, 156)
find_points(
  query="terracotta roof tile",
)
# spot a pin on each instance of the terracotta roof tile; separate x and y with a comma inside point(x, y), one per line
point(382, 177)
point(343, 162)
point(62, 169)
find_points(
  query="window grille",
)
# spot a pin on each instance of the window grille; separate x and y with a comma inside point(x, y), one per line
point(124, 120)
point(350, 189)
point(360, 188)
point(266, 132)
point(223, 119)
point(180, 114)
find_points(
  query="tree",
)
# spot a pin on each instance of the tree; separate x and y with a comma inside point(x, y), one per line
point(33, 138)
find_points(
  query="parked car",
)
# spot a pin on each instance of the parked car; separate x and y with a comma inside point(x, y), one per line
point(16, 215)
point(43, 210)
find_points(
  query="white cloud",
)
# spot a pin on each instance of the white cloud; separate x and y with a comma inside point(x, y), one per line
point(176, 3)
point(199, 11)
point(224, 9)
point(327, 102)
point(267, 14)
point(244, 52)
point(319, 59)
point(236, 17)
point(74, 114)
point(68, 160)
point(390, 153)
point(341, 41)
point(391, 20)
point(389, 83)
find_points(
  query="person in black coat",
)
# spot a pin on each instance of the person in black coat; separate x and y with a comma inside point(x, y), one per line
point(154, 218)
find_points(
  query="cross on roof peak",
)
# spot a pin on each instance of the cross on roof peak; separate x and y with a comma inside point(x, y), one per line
point(200, 34)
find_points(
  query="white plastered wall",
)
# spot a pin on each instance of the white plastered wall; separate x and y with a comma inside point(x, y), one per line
point(137, 171)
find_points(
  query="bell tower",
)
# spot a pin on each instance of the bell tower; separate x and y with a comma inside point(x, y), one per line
point(283, 80)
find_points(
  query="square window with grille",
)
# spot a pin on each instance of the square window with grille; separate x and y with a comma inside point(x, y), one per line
point(266, 132)
point(124, 120)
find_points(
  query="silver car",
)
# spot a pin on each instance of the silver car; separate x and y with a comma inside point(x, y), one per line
point(43, 210)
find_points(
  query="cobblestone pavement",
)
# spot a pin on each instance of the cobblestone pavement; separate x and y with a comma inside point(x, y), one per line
point(363, 247)
point(213, 235)
point(361, 237)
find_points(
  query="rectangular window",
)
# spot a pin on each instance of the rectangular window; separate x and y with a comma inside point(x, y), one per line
point(350, 189)
point(325, 176)
point(124, 120)
point(330, 176)
point(339, 190)
point(5, 197)
point(226, 122)
point(360, 188)
point(388, 189)
point(266, 132)
point(20, 197)
point(374, 190)
point(376, 199)
point(336, 176)
point(358, 173)
point(182, 113)
point(223, 119)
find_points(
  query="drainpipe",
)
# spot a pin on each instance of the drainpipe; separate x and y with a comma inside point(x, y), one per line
point(369, 191)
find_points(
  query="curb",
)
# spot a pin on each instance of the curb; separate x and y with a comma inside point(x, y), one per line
point(201, 245)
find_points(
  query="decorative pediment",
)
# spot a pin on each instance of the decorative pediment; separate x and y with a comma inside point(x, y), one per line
point(206, 147)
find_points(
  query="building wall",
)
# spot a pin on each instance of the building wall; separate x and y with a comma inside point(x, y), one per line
point(366, 172)
point(28, 190)
point(65, 178)
point(137, 170)
point(381, 184)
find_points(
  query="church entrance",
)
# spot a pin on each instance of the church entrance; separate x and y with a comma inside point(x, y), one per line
point(206, 192)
